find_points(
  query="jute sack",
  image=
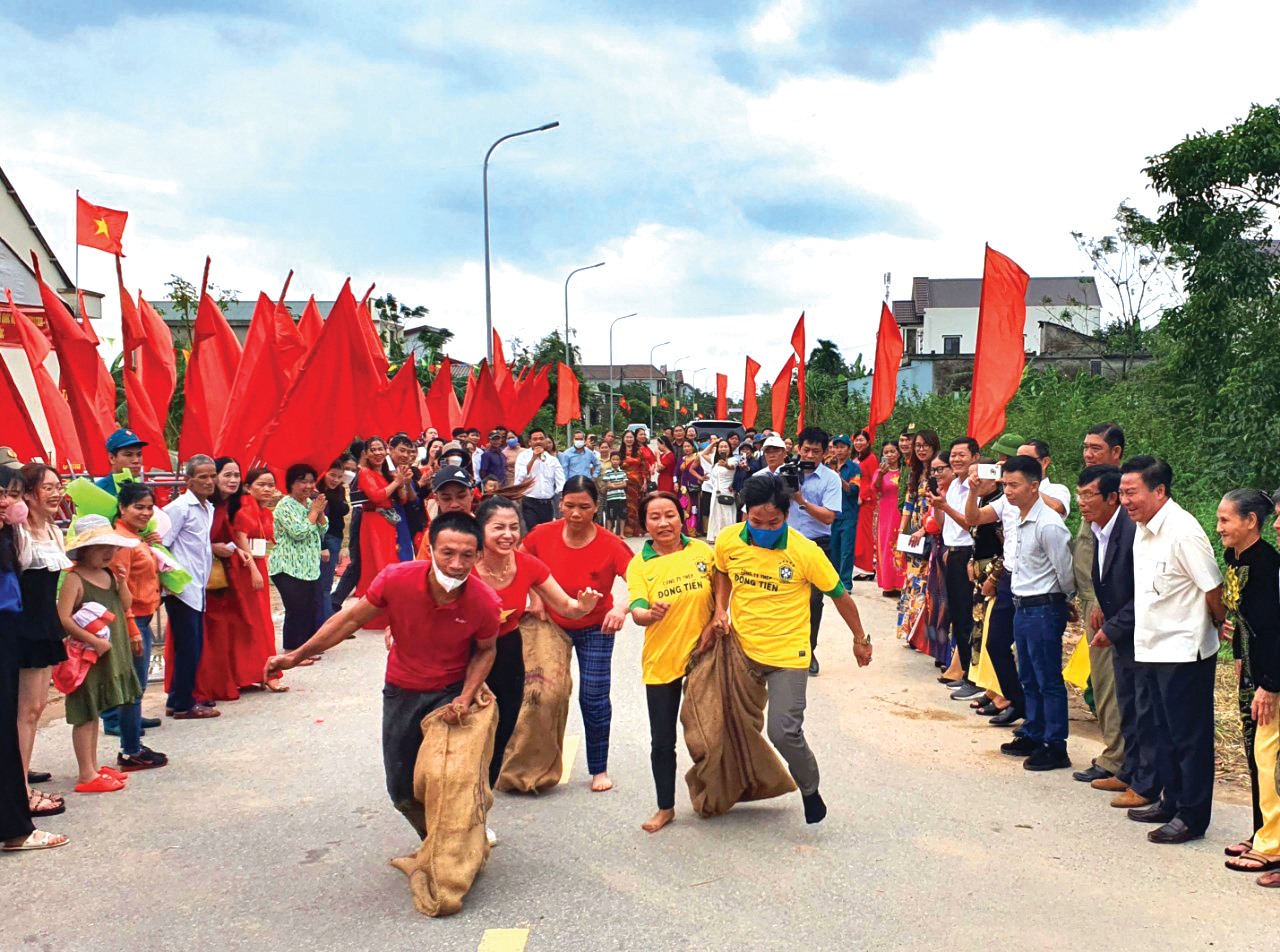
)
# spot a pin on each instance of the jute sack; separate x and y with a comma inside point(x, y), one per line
point(722, 715)
point(533, 759)
point(451, 778)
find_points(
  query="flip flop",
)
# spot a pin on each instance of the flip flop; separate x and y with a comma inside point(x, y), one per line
point(100, 784)
point(114, 774)
point(1239, 849)
point(1265, 863)
point(1269, 881)
point(38, 840)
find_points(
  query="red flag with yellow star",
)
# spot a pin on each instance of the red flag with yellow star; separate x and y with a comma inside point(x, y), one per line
point(99, 227)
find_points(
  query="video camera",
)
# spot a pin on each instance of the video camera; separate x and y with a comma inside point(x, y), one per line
point(794, 470)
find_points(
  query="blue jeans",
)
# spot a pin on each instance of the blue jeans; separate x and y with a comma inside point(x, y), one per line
point(129, 716)
point(1037, 631)
point(595, 666)
point(844, 535)
point(324, 586)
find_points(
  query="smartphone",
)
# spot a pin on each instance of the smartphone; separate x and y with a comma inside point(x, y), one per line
point(990, 471)
point(932, 483)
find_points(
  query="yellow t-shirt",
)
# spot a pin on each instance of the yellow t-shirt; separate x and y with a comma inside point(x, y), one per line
point(769, 599)
point(682, 580)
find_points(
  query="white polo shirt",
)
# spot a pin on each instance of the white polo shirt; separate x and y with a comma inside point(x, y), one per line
point(1009, 519)
point(953, 533)
point(1173, 569)
point(1057, 492)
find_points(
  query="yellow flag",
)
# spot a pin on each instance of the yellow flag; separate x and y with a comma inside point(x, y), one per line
point(1077, 670)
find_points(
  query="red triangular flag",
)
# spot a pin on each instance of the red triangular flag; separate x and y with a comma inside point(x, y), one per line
point(311, 323)
point(781, 394)
point(399, 407)
point(157, 365)
point(442, 403)
point(884, 380)
point(483, 408)
point(291, 347)
point(143, 418)
point(369, 334)
point(749, 408)
point(105, 398)
point(20, 432)
point(210, 376)
point(99, 227)
point(262, 379)
point(1001, 349)
point(533, 393)
point(623, 405)
point(797, 345)
point(57, 415)
point(662, 402)
point(722, 397)
point(567, 408)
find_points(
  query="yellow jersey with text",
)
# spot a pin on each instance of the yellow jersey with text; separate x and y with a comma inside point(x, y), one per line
point(769, 599)
point(683, 581)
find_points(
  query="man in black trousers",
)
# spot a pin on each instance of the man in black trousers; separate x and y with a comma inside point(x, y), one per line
point(1098, 492)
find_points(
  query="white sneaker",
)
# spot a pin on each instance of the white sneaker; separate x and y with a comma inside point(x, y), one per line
point(492, 836)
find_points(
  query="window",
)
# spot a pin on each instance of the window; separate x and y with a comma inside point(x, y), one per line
point(1095, 368)
point(911, 341)
point(951, 345)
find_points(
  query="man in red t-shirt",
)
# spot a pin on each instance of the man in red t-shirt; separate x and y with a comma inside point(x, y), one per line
point(444, 627)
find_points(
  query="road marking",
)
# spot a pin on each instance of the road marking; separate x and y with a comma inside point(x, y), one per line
point(503, 940)
point(569, 756)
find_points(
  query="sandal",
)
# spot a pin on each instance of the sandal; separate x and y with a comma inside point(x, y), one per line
point(100, 784)
point(1269, 880)
point(1240, 848)
point(38, 840)
point(1262, 863)
point(114, 774)
point(43, 804)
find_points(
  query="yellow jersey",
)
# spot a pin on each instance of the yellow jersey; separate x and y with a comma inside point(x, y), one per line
point(769, 598)
point(683, 581)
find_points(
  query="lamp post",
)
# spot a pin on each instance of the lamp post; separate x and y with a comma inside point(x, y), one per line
point(675, 410)
point(615, 321)
point(694, 377)
point(653, 393)
point(488, 297)
point(568, 351)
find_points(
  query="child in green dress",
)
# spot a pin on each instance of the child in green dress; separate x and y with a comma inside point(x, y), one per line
point(111, 681)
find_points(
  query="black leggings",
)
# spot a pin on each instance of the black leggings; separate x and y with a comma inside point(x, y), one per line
point(299, 600)
point(664, 714)
point(506, 681)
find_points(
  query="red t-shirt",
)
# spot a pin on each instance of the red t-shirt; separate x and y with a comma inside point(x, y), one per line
point(431, 644)
point(515, 597)
point(595, 565)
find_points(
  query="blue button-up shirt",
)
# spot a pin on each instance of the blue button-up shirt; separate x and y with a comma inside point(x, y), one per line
point(849, 473)
point(823, 488)
point(580, 462)
point(188, 538)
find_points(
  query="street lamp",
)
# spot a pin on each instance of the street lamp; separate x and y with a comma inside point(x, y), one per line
point(615, 321)
point(694, 378)
point(653, 393)
point(568, 353)
point(488, 298)
point(674, 388)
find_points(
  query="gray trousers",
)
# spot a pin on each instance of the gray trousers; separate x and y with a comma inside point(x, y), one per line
point(402, 714)
point(1103, 677)
point(785, 721)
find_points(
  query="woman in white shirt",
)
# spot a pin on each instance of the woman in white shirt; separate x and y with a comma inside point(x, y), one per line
point(722, 504)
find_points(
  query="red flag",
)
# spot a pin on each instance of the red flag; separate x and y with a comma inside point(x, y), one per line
point(369, 334)
point(529, 400)
point(143, 418)
point(268, 364)
point(502, 379)
point(399, 407)
point(211, 373)
point(310, 324)
point(567, 408)
point(57, 414)
point(325, 405)
point(884, 381)
point(749, 408)
point(722, 397)
point(623, 405)
point(99, 227)
point(781, 394)
point(1001, 351)
point(442, 403)
point(291, 347)
point(105, 398)
point(157, 365)
point(20, 431)
point(483, 409)
point(662, 402)
point(797, 344)
point(684, 411)
point(80, 367)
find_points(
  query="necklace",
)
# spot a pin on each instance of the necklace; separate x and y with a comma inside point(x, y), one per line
point(504, 574)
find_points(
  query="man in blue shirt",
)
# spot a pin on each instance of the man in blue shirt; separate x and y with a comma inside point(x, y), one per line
point(124, 452)
point(492, 462)
point(817, 505)
point(578, 460)
point(844, 530)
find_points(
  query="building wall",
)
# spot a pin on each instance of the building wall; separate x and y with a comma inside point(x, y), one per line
point(963, 322)
point(914, 376)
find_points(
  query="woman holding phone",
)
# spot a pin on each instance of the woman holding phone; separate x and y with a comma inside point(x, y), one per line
point(913, 605)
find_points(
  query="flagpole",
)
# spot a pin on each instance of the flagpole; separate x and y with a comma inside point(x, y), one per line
point(82, 316)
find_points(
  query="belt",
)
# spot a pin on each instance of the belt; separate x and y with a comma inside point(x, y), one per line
point(958, 548)
point(1032, 601)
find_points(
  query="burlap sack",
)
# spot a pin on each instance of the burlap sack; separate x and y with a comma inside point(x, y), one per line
point(451, 778)
point(534, 757)
point(722, 715)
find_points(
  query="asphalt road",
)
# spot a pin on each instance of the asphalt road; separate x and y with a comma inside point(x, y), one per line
point(271, 829)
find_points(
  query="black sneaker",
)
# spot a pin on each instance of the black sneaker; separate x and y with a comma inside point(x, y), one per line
point(1047, 758)
point(145, 759)
point(815, 810)
point(1021, 747)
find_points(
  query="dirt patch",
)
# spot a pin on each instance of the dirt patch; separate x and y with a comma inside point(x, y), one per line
point(898, 709)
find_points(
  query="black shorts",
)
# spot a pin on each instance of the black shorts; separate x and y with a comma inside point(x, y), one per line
point(615, 509)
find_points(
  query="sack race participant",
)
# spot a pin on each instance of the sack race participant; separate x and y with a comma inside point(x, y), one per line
point(534, 756)
point(450, 779)
point(443, 629)
point(764, 575)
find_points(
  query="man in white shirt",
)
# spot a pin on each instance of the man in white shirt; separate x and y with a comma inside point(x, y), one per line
point(1055, 495)
point(958, 543)
point(1043, 585)
point(1177, 613)
point(548, 479)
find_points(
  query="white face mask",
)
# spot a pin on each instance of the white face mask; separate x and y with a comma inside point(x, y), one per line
point(348, 476)
point(447, 582)
point(579, 444)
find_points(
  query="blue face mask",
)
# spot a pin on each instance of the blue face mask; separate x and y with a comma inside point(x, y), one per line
point(704, 444)
point(512, 443)
point(766, 538)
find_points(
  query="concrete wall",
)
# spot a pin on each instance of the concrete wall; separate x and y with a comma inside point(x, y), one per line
point(963, 322)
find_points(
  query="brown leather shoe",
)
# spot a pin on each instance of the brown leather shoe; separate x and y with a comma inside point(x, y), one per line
point(196, 713)
point(1130, 799)
point(1110, 784)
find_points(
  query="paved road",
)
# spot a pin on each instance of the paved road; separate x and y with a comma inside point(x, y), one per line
point(271, 830)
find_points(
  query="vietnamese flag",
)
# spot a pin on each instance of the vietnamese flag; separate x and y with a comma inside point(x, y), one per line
point(722, 397)
point(567, 408)
point(884, 378)
point(662, 402)
point(623, 405)
point(1001, 349)
point(749, 408)
point(99, 227)
point(797, 345)
point(684, 411)
point(781, 394)
point(310, 324)
point(57, 414)
point(211, 372)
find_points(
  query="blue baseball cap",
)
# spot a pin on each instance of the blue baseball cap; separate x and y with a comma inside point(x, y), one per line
point(122, 438)
point(842, 438)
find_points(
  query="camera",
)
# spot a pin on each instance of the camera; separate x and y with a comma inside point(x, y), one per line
point(794, 470)
point(990, 471)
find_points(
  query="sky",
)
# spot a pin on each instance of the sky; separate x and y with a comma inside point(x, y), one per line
point(733, 164)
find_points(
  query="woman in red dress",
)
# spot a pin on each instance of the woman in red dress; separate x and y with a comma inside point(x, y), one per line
point(253, 530)
point(864, 561)
point(666, 466)
point(377, 527)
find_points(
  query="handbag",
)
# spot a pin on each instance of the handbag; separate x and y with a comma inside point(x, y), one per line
point(726, 500)
point(217, 576)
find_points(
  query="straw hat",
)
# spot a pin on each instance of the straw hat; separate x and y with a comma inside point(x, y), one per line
point(96, 530)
